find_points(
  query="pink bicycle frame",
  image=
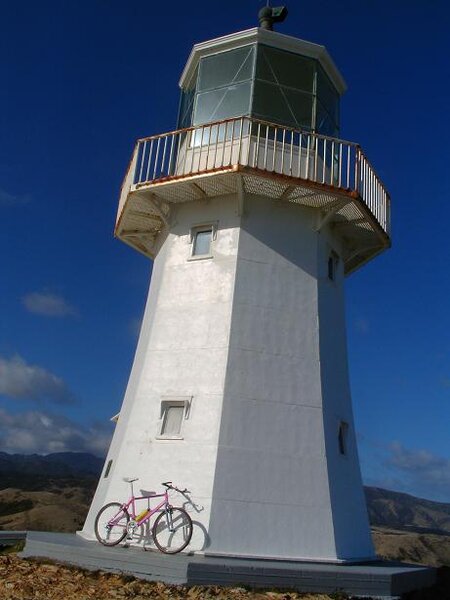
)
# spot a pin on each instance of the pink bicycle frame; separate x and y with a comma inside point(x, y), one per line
point(132, 502)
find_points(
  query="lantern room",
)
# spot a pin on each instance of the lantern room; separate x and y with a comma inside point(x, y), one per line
point(265, 75)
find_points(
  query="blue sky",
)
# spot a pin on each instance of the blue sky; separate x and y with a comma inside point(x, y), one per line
point(81, 80)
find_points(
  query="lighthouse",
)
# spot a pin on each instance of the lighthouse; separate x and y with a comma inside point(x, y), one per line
point(254, 211)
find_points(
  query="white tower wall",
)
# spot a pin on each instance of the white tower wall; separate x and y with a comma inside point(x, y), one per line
point(256, 336)
point(182, 353)
point(281, 487)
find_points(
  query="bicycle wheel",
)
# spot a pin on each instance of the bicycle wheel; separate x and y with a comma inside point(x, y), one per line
point(111, 524)
point(172, 530)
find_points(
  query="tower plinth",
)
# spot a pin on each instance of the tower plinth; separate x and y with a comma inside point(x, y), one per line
point(253, 211)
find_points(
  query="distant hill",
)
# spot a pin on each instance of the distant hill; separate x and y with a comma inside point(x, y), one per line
point(38, 472)
point(396, 510)
point(49, 493)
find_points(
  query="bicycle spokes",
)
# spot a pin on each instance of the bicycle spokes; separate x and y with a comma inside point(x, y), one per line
point(172, 530)
point(111, 524)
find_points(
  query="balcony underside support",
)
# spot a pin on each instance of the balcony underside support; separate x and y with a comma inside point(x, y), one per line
point(148, 208)
point(328, 215)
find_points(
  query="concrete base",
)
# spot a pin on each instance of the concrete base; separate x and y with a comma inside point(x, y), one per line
point(377, 579)
point(372, 580)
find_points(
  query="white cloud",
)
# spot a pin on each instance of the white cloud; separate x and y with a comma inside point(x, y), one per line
point(43, 433)
point(7, 199)
point(423, 472)
point(47, 304)
point(21, 381)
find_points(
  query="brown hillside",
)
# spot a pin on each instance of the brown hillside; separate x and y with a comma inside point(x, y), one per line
point(426, 549)
point(59, 510)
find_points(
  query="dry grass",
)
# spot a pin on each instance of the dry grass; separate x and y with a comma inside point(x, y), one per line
point(30, 579)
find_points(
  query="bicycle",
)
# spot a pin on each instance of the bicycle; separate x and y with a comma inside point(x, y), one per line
point(171, 531)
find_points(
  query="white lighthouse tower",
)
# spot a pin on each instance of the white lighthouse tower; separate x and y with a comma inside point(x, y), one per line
point(253, 211)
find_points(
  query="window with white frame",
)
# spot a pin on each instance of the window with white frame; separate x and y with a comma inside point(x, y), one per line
point(201, 239)
point(173, 412)
point(108, 469)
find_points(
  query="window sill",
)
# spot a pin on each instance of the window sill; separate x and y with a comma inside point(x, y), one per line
point(201, 257)
point(169, 437)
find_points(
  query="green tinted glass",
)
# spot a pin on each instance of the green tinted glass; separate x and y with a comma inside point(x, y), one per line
point(187, 102)
point(285, 68)
point(328, 95)
point(325, 124)
point(281, 105)
point(225, 68)
point(228, 102)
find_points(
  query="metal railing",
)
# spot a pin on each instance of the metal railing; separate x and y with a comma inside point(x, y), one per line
point(267, 147)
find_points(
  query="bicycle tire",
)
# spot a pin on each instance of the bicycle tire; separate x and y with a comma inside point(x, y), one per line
point(172, 542)
point(112, 535)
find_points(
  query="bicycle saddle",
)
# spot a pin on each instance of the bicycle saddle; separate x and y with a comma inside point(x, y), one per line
point(130, 479)
point(148, 493)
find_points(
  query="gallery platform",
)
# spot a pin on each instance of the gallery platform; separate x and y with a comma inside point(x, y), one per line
point(370, 580)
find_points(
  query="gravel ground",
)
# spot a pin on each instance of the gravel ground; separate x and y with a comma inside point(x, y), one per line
point(22, 579)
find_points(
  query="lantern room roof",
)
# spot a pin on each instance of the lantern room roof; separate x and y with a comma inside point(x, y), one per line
point(269, 38)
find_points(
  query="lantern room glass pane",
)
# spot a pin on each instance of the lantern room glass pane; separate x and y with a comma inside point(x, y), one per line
point(187, 103)
point(225, 103)
point(226, 68)
point(282, 105)
point(325, 124)
point(285, 68)
point(328, 95)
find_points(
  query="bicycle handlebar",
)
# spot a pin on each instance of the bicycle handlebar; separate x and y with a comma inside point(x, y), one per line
point(169, 486)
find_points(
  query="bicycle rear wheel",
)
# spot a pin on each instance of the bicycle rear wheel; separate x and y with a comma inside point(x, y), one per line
point(111, 524)
point(172, 530)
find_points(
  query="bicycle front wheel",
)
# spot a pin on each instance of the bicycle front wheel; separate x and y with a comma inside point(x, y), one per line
point(111, 524)
point(172, 530)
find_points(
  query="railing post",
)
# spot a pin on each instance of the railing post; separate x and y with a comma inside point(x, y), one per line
point(357, 169)
point(265, 147)
point(163, 160)
point(240, 140)
point(249, 140)
point(274, 154)
point(316, 155)
point(224, 143)
point(291, 150)
point(142, 158)
point(209, 146)
point(308, 150)
point(156, 157)
point(256, 152)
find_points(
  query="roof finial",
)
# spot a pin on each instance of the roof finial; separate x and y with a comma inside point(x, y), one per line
point(270, 15)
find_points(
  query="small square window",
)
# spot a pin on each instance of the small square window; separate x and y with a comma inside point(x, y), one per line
point(108, 469)
point(342, 437)
point(202, 242)
point(173, 413)
point(330, 268)
point(333, 260)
